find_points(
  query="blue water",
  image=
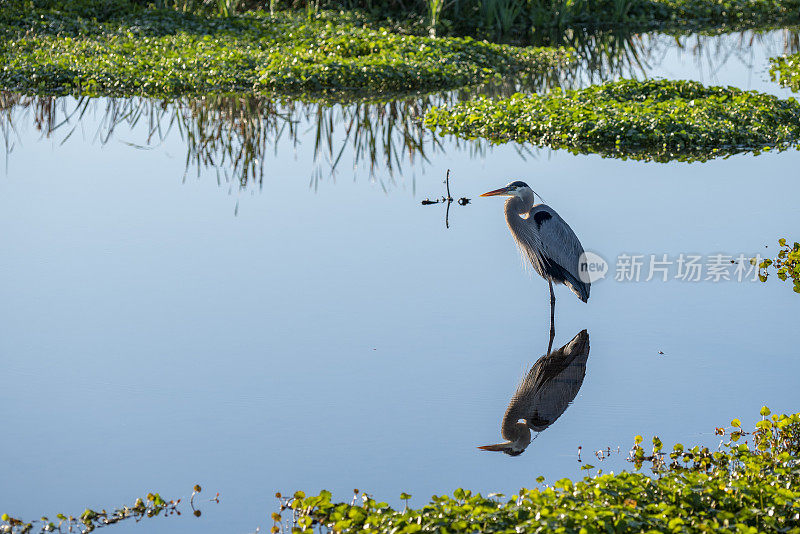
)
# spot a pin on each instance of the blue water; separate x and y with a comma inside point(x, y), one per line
point(160, 329)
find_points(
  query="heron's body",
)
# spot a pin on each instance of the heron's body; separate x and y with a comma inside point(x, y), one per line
point(546, 241)
point(544, 394)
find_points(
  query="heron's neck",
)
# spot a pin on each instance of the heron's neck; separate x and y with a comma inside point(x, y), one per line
point(517, 207)
point(516, 432)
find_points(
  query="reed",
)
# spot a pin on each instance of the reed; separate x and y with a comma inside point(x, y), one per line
point(434, 12)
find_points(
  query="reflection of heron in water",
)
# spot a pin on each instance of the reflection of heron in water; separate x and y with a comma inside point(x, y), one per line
point(541, 398)
point(546, 240)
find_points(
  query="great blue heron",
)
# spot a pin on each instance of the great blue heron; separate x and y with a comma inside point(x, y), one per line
point(544, 394)
point(546, 240)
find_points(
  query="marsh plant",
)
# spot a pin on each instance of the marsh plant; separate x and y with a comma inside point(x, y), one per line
point(750, 483)
point(153, 505)
point(786, 264)
point(520, 20)
point(498, 17)
point(224, 8)
point(235, 134)
point(786, 70)
point(656, 120)
point(434, 12)
point(164, 53)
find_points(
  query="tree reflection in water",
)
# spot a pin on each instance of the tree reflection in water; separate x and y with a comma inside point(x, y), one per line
point(235, 134)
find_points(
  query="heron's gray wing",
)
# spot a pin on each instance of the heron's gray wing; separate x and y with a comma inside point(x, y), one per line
point(561, 248)
point(551, 385)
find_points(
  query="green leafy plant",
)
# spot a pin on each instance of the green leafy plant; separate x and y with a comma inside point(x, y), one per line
point(786, 264)
point(518, 19)
point(152, 505)
point(657, 120)
point(786, 71)
point(166, 53)
point(750, 484)
point(434, 12)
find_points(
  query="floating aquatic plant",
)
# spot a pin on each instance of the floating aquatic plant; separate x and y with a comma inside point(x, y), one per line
point(786, 71)
point(167, 53)
point(786, 264)
point(152, 505)
point(751, 484)
point(658, 120)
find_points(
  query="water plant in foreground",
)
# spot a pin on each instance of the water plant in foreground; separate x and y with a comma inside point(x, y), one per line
point(151, 52)
point(152, 505)
point(656, 120)
point(786, 71)
point(786, 264)
point(751, 484)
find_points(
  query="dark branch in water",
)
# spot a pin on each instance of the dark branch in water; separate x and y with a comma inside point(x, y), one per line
point(463, 201)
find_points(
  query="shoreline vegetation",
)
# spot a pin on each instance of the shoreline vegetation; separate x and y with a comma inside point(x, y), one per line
point(153, 505)
point(656, 120)
point(333, 51)
point(534, 21)
point(786, 71)
point(786, 264)
point(749, 484)
point(167, 53)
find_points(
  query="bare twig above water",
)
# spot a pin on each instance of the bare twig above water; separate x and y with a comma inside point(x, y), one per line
point(447, 200)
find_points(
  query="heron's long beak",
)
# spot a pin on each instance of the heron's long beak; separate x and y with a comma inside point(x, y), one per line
point(500, 447)
point(501, 191)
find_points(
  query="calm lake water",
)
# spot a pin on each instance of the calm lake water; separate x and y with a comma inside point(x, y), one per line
point(162, 327)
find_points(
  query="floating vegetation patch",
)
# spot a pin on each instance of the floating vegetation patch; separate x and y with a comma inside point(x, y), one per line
point(786, 265)
point(164, 53)
point(152, 505)
point(786, 71)
point(657, 120)
point(748, 485)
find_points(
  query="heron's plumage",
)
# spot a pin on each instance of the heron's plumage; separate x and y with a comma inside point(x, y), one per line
point(549, 387)
point(547, 241)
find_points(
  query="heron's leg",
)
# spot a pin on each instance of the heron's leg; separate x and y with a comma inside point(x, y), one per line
point(552, 316)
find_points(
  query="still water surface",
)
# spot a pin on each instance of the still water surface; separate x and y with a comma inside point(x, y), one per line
point(162, 328)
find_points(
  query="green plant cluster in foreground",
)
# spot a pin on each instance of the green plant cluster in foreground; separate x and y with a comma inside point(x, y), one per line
point(658, 120)
point(786, 71)
point(151, 506)
point(137, 51)
point(752, 484)
point(787, 264)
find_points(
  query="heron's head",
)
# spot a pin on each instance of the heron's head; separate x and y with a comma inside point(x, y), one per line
point(514, 189)
point(520, 435)
point(509, 448)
